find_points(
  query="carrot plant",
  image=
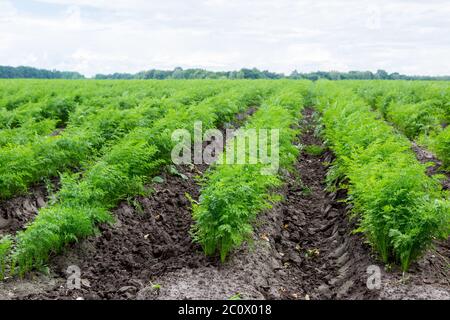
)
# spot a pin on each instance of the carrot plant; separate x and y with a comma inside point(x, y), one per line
point(27, 132)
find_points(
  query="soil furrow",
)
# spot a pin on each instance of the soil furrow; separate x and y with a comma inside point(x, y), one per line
point(322, 258)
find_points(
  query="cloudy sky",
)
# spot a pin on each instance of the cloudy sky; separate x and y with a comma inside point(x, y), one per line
point(104, 36)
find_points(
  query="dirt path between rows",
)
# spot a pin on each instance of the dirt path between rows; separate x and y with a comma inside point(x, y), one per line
point(324, 260)
point(303, 249)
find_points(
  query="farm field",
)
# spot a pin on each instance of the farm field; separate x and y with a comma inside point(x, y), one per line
point(90, 194)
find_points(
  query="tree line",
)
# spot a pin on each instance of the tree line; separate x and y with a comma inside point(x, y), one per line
point(179, 73)
point(7, 72)
point(244, 73)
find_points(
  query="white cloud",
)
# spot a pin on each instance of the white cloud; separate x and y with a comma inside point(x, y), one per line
point(7, 11)
point(73, 17)
point(93, 36)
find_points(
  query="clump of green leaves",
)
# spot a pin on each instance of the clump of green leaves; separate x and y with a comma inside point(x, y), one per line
point(235, 297)
point(314, 150)
point(415, 119)
point(5, 248)
point(441, 145)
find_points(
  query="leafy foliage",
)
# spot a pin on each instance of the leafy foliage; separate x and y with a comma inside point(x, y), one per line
point(30, 154)
point(441, 145)
point(5, 248)
point(419, 110)
point(401, 209)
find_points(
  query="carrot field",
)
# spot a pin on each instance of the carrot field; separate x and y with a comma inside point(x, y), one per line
point(87, 179)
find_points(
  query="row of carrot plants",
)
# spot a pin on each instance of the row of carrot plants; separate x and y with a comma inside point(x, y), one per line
point(401, 210)
point(233, 195)
point(420, 110)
